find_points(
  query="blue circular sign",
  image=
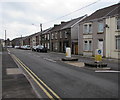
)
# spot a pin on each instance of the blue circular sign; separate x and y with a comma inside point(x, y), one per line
point(99, 51)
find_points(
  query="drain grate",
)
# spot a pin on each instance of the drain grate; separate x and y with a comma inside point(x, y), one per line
point(11, 71)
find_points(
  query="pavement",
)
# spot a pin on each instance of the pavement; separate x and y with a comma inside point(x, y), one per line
point(14, 82)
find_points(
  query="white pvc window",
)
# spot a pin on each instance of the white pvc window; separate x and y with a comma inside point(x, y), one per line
point(60, 34)
point(52, 36)
point(48, 37)
point(87, 28)
point(100, 27)
point(118, 42)
point(88, 45)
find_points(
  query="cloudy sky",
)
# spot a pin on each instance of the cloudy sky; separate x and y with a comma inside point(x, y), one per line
point(23, 17)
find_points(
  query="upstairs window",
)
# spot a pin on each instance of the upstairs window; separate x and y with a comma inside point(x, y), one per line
point(52, 36)
point(48, 37)
point(100, 27)
point(87, 28)
point(60, 34)
point(118, 23)
point(90, 28)
point(55, 35)
point(65, 34)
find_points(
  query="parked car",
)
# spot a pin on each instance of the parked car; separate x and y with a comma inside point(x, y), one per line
point(41, 48)
point(17, 47)
point(26, 47)
point(9, 46)
point(34, 48)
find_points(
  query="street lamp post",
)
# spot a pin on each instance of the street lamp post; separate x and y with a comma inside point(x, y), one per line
point(40, 40)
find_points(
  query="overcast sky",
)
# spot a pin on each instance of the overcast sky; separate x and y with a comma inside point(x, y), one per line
point(24, 16)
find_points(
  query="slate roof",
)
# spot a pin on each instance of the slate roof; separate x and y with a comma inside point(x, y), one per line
point(104, 12)
point(65, 25)
point(46, 31)
point(72, 22)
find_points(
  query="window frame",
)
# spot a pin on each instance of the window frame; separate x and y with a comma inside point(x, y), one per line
point(87, 29)
point(89, 45)
point(99, 27)
point(117, 42)
point(117, 23)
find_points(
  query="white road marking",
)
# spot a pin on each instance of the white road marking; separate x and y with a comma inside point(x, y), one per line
point(49, 59)
point(8, 51)
point(107, 71)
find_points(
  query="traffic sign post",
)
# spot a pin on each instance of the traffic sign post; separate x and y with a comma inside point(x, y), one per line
point(98, 55)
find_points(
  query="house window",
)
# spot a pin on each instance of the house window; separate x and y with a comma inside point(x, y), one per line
point(118, 42)
point(48, 45)
point(90, 28)
point(118, 23)
point(60, 34)
point(52, 36)
point(65, 34)
point(88, 45)
point(55, 35)
point(87, 28)
point(45, 37)
point(85, 45)
point(48, 36)
point(100, 27)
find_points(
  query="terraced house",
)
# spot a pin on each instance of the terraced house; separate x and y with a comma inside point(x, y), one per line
point(66, 35)
point(100, 30)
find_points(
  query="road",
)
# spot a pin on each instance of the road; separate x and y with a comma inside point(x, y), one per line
point(68, 81)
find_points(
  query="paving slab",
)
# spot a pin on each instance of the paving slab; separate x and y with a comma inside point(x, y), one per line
point(15, 84)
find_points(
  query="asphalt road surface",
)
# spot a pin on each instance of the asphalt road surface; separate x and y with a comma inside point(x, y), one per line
point(66, 80)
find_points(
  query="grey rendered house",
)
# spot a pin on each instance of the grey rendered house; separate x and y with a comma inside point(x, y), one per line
point(93, 31)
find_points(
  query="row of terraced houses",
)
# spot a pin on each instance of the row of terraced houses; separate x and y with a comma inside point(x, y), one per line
point(100, 30)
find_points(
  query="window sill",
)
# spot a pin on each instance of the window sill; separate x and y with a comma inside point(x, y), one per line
point(118, 30)
point(87, 51)
point(100, 32)
point(87, 33)
point(116, 50)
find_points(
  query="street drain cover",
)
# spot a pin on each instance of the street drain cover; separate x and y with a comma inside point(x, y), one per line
point(11, 71)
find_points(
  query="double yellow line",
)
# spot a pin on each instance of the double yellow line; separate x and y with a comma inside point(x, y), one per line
point(49, 92)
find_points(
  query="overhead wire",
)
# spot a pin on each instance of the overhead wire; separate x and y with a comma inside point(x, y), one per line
point(72, 12)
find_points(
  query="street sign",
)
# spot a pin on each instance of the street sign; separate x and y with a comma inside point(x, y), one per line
point(98, 55)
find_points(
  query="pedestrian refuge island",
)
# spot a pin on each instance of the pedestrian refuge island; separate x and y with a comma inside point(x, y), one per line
point(98, 60)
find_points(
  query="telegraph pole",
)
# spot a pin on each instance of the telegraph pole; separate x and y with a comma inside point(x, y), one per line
point(5, 38)
point(41, 32)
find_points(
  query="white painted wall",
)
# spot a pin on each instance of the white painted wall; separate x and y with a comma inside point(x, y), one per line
point(111, 32)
